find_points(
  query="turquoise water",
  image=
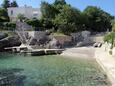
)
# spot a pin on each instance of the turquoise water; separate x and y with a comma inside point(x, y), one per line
point(55, 70)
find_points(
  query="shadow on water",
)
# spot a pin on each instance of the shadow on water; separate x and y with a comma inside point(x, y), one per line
point(46, 84)
point(11, 77)
point(5, 55)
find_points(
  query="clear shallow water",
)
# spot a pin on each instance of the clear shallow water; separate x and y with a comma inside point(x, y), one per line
point(55, 70)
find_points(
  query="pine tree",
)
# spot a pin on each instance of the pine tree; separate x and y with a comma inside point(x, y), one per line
point(60, 2)
point(14, 4)
point(6, 4)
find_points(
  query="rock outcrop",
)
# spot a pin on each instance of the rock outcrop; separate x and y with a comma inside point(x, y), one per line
point(54, 44)
point(3, 35)
point(9, 41)
point(40, 38)
point(81, 38)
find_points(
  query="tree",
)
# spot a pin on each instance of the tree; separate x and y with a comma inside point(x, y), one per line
point(35, 23)
point(48, 11)
point(6, 4)
point(21, 17)
point(68, 17)
point(60, 16)
point(67, 28)
point(14, 4)
point(62, 2)
point(48, 14)
point(64, 18)
point(98, 20)
point(110, 38)
point(9, 26)
point(3, 15)
point(3, 11)
point(113, 25)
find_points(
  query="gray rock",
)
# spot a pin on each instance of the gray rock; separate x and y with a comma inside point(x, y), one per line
point(79, 44)
point(9, 42)
point(54, 44)
point(40, 38)
point(3, 35)
point(81, 38)
point(33, 41)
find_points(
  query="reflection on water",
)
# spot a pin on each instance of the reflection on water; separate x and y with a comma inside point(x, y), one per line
point(54, 70)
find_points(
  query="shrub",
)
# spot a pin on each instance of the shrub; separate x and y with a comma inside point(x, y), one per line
point(110, 52)
point(109, 37)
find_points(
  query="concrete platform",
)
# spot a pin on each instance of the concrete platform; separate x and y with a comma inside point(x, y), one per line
point(37, 52)
point(107, 62)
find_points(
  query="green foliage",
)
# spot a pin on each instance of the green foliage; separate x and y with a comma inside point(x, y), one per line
point(62, 16)
point(67, 28)
point(113, 25)
point(47, 10)
point(6, 4)
point(109, 37)
point(65, 21)
point(67, 14)
point(8, 26)
point(62, 2)
point(4, 18)
point(14, 4)
point(35, 23)
point(110, 52)
point(48, 13)
point(98, 20)
point(3, 15)
point(58, 34)
point(46, 23)
point(21, 17)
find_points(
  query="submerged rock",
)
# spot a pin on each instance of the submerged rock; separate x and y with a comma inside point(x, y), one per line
point(11, 77)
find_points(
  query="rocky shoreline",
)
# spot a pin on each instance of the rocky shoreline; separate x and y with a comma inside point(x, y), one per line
point(8, 41)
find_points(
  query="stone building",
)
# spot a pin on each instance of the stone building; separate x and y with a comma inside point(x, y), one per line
point(27, 11)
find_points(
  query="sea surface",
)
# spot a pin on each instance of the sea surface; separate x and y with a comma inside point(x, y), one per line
point(54, 70)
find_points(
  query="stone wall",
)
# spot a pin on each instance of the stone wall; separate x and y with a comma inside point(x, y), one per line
point(85, 38)
point(96, 38)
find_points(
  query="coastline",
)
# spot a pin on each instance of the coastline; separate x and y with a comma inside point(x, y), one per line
point(80, 52)
point(105, 61)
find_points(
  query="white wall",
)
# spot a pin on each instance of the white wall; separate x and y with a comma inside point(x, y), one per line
point(28, 12)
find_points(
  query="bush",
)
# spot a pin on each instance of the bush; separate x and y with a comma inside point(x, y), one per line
point(109, 37)
point(67, 28)
point(110, 52)
point(9, 26)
